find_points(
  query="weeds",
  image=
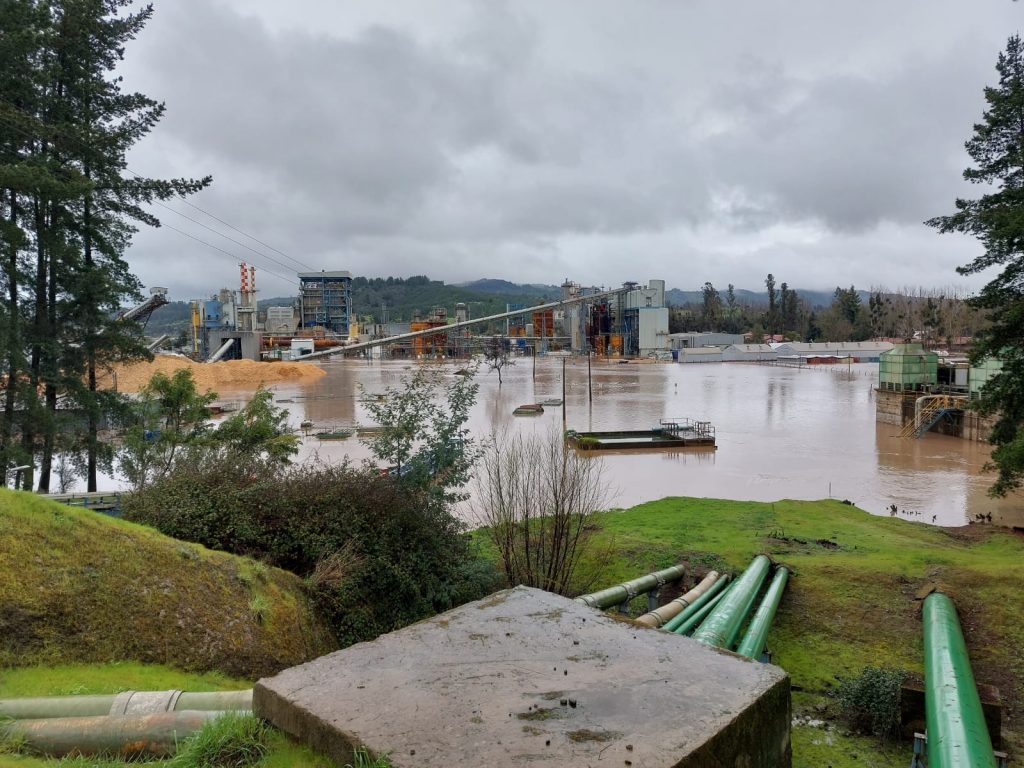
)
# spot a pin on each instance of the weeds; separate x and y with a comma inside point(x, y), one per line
point(10, 743)
point(259, 607)
point(233, 740)
point(361, 759)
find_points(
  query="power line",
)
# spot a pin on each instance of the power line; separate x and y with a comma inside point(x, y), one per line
point(172, 210)
point(226, 237)
point(218, 248)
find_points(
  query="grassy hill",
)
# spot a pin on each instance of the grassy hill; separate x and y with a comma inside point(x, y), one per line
point(77, 586)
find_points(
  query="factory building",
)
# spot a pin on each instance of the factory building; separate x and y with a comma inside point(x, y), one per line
point(325, 301)
point(645, 319)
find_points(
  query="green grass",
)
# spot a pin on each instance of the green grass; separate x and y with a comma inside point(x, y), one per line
point(114, 677)
point(851, 602)
point(233, 740)
point(77, 586)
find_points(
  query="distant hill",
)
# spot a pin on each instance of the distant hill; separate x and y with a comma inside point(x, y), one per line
point(504, 287)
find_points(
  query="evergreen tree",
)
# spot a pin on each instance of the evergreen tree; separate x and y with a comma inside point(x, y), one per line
point(997, 220)
point(772, 320)
point(70, 211)
point(712, 307)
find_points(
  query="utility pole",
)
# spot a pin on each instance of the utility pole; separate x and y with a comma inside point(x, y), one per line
point(563, 395)
point(590, 382)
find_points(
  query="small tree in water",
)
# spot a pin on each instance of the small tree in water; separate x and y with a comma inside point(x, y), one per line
point(536, 498)
point(496, 354)
point(423, 436)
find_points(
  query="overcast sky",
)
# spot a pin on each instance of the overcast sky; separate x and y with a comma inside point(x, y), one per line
point(599, 140)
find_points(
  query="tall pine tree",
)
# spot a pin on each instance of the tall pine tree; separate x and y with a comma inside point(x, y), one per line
point(64, 270)
point(997, 220)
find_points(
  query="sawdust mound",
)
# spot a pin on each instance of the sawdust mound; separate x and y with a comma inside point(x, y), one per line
point(228, 374)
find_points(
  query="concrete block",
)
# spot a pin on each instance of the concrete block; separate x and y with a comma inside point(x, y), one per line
point(527, 677)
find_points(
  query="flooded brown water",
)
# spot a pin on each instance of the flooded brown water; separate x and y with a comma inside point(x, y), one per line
point(783, 433)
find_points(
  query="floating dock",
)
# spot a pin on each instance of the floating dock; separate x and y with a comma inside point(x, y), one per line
point(670, 434)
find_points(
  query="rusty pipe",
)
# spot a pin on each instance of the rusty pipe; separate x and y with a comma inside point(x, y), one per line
point(125, 735)
point(670, 610)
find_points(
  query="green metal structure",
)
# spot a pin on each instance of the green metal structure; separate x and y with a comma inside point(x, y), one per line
point(957, 734)
point(907, 368)
point(980, 374)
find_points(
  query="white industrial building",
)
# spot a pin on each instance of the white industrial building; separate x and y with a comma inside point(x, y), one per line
point(645, 319)
point(695, 340)
point(699, 355)
point(864, 351)
point(749, 353)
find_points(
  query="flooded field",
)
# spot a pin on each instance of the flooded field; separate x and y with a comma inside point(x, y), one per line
point(782, 432)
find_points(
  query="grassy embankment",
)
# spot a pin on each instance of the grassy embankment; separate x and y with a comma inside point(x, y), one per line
point(76, 586)
point(851, 602)
point(80, 593)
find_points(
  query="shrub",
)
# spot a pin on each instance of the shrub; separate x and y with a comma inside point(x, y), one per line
point(537, 499)
point(870, 702)
point(377, 553)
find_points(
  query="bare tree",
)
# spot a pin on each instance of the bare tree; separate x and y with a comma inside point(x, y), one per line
point(536, 498)
point(496, 354)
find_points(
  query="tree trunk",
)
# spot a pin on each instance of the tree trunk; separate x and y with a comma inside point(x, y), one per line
point(92, 436)
point(13, 344)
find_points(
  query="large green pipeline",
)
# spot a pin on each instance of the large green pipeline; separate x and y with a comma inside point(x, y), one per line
point(753, 642)
point(673, 608)
point(126, 703)
point(155, 735)
point(699, 603)
point(627, 590)
point(696, 618)
point(957, 734)
point(722, 626)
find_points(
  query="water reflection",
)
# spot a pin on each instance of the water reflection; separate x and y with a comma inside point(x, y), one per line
point(782, 433)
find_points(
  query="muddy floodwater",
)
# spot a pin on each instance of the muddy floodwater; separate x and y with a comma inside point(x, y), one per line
point(783, 433)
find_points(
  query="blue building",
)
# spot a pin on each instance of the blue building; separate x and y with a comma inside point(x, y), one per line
point(325, 300)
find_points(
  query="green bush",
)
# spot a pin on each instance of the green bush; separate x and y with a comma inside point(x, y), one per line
point(870, 702)
point(377, 553)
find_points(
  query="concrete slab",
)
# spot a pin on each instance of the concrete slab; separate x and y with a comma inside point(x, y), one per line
point(527, 677)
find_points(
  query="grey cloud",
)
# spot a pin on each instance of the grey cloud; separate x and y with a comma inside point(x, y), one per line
point(537, 139)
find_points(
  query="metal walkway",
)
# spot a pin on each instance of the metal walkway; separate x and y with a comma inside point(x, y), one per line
point(930, 410)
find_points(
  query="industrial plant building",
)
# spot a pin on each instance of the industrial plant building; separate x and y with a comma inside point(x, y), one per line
point(325, 301)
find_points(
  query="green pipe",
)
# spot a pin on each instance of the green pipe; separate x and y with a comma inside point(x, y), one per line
point(698, 616)
point(125, 703)
point(699, 603)
point(957, 734)
point(616, 595)
point(753, 642)
point(722, 626)
point(127, 735)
